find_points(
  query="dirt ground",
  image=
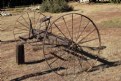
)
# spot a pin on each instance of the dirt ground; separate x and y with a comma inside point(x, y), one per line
point(101, 14)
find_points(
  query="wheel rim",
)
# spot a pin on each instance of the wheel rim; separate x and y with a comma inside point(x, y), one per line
point(78, 29)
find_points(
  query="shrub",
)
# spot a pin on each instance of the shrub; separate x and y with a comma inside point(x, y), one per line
point(55, 6)
point(116, 1)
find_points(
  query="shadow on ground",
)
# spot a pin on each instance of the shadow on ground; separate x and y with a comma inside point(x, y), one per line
point(37, 74)
point(38, 61)
point(105, 64)
point(95, 68)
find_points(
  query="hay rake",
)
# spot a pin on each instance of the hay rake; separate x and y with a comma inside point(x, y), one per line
point(73, 40)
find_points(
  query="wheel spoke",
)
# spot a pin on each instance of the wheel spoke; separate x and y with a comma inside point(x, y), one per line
point(86, 36)
point(34, 18)
point(25, 19)
point(60, 30)
point(82, 31)
point(66, 26)
point(79, 28)
point(56, 59)
point(38, 21)
point(21, 28)
point(89, 40)
point(21, 32)
point(55, 55)
point(72, 27)
point(23, 24)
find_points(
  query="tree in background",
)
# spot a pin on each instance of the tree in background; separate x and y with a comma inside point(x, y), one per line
point(13, 3)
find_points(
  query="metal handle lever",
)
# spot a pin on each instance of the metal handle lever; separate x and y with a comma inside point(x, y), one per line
point(46, 18)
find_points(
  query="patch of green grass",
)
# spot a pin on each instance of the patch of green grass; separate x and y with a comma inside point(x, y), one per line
point(114, 22)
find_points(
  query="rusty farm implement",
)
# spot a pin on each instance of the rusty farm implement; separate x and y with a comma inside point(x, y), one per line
point(72, 40)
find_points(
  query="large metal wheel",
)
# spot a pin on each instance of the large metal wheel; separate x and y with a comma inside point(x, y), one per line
point(27, 23)
point(72, 33)
point(26, 31)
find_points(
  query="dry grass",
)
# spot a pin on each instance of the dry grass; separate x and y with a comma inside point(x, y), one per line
point(107, 18)
point(113, 22)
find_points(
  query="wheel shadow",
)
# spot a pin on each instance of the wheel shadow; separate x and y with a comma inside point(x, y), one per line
point(37, 74)
point(38, 61)
point(104, 66)
point(95, 68)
